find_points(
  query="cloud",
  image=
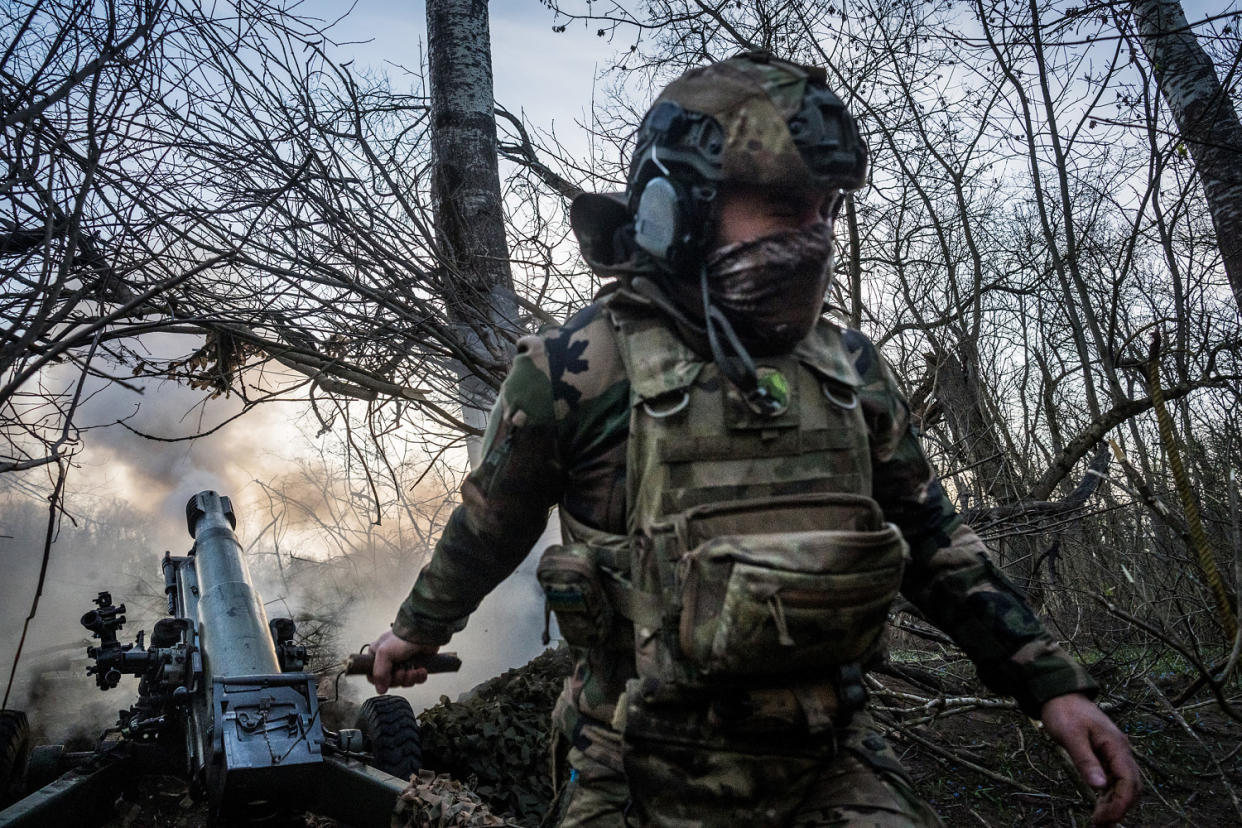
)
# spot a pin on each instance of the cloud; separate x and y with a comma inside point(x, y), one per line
point(548, 75)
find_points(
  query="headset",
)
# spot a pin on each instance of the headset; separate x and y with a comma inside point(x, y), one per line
point(673, 181)
point(678, 167)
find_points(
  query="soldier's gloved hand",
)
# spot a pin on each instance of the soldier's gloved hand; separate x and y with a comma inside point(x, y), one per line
point(390, 651)
point(1099, 750)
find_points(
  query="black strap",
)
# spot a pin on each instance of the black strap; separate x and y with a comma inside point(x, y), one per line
point(739, 368)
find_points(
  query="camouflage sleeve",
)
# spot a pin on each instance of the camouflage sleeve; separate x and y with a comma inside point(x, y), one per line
point(951, 577)
point(504, 507)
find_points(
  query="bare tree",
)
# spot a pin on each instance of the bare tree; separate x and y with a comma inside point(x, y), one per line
point(1028, 221)
point(214, 178)
point(469, 214)
point(1205, 117)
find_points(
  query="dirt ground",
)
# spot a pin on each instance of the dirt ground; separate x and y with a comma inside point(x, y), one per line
point(1189, 779)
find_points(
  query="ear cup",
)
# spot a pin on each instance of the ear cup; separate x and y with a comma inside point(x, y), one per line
point(660, 220)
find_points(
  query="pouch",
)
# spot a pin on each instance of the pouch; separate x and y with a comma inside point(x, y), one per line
point(572, 586)
point(787, 603)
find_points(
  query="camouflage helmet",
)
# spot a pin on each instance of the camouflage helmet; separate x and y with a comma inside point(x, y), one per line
point(751, 120)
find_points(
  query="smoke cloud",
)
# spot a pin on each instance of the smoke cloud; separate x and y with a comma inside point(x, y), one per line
point(319, 548)
point(107, 549)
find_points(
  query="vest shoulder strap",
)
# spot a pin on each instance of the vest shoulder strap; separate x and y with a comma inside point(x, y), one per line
point(656, 360)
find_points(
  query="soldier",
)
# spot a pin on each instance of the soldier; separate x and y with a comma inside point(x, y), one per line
point(741, 494)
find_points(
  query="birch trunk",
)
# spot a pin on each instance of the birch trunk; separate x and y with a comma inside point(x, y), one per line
point(469, 219)
point(1205, 118)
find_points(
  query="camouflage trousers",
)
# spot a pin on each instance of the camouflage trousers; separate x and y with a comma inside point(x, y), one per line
point(860, 783)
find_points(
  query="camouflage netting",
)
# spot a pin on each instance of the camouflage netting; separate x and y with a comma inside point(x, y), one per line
point(436, 801)
point(500, 737)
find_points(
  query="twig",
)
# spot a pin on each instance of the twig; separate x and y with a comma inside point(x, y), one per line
point(1150, 785)
point(975, 814)
point(948, 755)
point(53, 501)
point(1177, 717)
point(1205, 672)
point(1190, 507)
point(1236, 525)
point(22, 465)
point(927, 709)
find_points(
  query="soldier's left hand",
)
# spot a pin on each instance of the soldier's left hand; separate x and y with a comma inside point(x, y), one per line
point(1099, 750)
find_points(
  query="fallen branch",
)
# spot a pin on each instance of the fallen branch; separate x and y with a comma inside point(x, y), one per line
point(956, 758)
point(1205, 672)
point(1177, 717)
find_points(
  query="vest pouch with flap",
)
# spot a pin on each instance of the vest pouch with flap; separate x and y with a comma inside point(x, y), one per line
point(571, 585)
point(787, 603)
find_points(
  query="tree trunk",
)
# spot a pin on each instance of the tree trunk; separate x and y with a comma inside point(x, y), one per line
point(1205, 117)
point(469, 219)
point(959, 392)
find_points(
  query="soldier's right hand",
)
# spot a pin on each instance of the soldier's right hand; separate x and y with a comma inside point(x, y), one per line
point(389, 651)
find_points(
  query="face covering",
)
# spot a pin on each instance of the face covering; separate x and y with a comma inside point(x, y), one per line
point(770, 289)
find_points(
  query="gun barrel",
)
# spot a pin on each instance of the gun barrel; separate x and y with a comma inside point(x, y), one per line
point(256, 730)
point(233, 624)
point(170, 582)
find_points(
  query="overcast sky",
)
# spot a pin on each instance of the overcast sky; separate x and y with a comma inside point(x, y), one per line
point(547, 74)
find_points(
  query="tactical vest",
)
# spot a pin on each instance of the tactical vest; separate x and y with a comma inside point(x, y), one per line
point(755, 556)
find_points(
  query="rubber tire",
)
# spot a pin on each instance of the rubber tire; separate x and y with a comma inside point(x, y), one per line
point(390, 732)
point(44, 766)
point(14, 751)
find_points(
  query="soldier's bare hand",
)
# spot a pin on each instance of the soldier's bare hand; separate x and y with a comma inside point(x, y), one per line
point(390, 651)
point(1099, 750)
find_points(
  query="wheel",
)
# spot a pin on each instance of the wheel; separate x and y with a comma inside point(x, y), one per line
point(390, 733)
point(14, 750)
point(43, 766)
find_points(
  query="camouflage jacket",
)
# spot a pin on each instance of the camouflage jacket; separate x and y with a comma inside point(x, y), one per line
point(558, 436)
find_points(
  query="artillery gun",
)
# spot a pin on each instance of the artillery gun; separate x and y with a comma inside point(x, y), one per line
point(223, 698)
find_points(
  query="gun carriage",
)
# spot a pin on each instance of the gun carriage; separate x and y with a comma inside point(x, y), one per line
point(223, 698)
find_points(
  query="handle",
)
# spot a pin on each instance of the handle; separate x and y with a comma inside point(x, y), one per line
point(361, 664)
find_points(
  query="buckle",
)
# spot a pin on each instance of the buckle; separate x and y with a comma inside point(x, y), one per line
point(851, 691)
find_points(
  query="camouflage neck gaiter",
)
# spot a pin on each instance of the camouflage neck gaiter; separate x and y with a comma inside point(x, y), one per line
point(772, 289)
